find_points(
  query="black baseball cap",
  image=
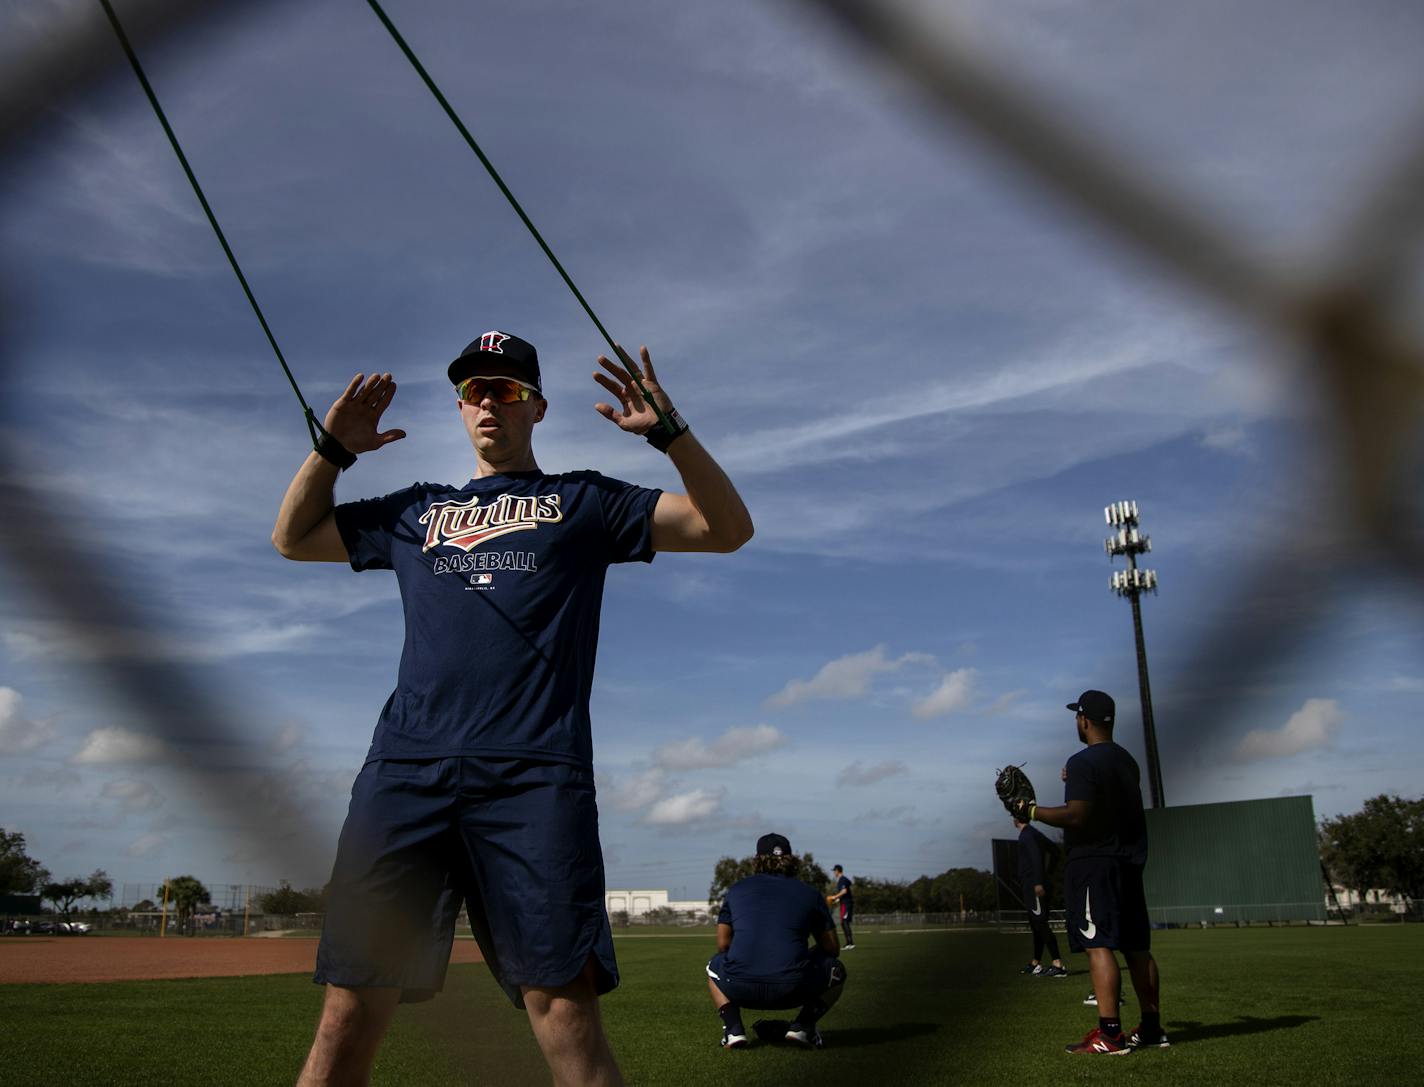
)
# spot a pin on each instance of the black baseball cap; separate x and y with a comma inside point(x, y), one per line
point(1096, 706)
point(773, 845)
point(498, 354)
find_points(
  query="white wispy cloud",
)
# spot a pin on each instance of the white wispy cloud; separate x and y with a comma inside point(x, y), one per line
point(132, 795)
point(113, 745)
point(287, 737)
point(148, 845)
point(858, 774)
point(18, 733)
point(694, 806)
point(1228, 438)
point(731, 747)
point(1308, 728)
point(904, 814)
point(42, 639)
point(633, 793)
point(1003, 703)
point(845, 677)
point(48, 778)
point(953, 694)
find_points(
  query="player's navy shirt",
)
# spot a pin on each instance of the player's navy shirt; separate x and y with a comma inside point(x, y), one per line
point(1107, 777)
point(844, 884)
point(501, 582)
point(1034, 845)
point(771, 919)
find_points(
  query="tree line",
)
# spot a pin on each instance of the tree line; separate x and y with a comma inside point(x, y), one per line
point(1380, 847)
point(944, 893)
point(21, 874)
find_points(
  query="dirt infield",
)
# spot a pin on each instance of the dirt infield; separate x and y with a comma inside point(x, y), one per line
point(42, 960)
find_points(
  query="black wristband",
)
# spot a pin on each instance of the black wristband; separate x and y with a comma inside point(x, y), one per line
point(660, 437)
point(329, 449)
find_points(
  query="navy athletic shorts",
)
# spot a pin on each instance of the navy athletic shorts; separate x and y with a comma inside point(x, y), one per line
point(1105, 904)
point(516, 840)
point(819, 974)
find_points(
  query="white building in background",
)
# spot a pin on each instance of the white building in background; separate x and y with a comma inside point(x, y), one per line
point(1350, 899)
point(637, 904)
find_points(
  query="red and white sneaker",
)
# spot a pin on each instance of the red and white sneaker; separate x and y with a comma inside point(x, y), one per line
point(1097, 1043)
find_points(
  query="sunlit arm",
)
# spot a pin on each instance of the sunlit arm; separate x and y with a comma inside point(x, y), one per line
point(710, 516)
point(306, 522)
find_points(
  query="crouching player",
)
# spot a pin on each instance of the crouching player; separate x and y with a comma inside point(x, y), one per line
point(762, 959)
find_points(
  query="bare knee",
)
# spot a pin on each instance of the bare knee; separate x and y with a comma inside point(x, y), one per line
point(348, 1035)
point(564, 1011)
point(353, 1014)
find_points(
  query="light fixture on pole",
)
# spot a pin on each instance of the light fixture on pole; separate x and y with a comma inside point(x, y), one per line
point(1132, 583)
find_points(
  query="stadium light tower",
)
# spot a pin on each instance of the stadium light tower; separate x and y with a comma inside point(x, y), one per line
point(1132, 583)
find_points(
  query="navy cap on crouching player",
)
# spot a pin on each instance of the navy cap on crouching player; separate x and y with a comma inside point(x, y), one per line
point(1105, 839)
point(501, 580)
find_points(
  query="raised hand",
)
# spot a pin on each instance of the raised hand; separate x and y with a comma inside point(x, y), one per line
point(354, 418)
point(636, 416)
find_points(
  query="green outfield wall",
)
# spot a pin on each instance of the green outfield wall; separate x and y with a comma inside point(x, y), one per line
point(1237, 862)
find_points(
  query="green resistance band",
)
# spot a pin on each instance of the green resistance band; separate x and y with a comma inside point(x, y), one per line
point(317, 431)
point(671, 427)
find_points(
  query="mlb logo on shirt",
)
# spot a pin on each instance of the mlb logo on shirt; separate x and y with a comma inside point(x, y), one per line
point(481, 580)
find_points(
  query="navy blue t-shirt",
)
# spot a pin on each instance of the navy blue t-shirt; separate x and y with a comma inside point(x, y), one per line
point(844, 884)
point(1034, 846)
point(501, 582)
point(772, 917)
point(1107, 777)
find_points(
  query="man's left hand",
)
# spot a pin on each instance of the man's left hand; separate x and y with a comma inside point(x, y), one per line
point(637, 415)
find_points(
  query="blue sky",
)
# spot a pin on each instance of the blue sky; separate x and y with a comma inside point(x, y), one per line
point(926, 378)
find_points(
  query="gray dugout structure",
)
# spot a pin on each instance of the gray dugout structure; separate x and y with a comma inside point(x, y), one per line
point(1234, 863)
point(1238, 862)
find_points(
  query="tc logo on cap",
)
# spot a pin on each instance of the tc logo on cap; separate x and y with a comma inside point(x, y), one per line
point(491, 341)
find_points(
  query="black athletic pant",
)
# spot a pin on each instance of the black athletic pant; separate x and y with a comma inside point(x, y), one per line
point(1038, 923)
point(1043, 935)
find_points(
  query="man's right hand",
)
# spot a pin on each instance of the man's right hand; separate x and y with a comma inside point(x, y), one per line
point(354, 418)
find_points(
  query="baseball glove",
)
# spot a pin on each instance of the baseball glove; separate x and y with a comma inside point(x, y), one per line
point(830, 900)
point(1015, 792)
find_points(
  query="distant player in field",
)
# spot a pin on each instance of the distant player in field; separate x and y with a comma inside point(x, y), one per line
point(478, 787)
point(1105, 836)
point(762, 959)
point(1034, 847)
point(845, 897)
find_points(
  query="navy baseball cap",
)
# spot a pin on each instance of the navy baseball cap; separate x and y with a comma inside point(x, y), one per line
point(1096, 706)
point(498, 354)
point(773, 845)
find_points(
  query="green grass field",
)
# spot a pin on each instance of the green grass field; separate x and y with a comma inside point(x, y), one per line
point(1251, 1006)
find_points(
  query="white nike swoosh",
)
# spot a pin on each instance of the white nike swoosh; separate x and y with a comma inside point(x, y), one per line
point(1092, 929)
point(1037, 907)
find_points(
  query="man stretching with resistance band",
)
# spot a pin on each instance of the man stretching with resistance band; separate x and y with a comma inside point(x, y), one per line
point(478, 787)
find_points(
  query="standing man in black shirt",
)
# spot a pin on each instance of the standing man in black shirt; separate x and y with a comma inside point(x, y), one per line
point(762, 960)
point(1034, 846)
point(1105, 836)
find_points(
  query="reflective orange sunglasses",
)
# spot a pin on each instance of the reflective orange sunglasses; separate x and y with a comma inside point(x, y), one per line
point(502, 390)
